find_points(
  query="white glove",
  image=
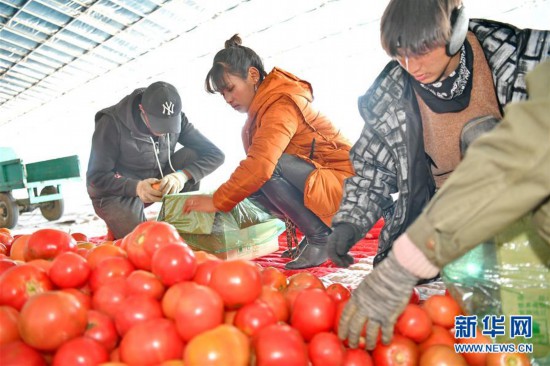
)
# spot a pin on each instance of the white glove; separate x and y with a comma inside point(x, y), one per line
point(146, 192)
point(173, 182)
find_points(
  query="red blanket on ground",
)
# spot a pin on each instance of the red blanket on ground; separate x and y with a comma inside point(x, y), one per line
point(367, 247)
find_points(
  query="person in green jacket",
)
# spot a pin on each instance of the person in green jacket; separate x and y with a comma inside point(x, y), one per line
point(504, 176)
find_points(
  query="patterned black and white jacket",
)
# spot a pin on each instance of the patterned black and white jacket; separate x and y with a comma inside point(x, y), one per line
point(389, 157)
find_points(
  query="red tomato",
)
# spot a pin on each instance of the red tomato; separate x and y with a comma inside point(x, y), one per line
point(108, 297)
point(442, 309)
point(254, 316)
point(401, 351)
point(415, 297)
point(81, 351)
point(439, 335)
point(441, 355)
point(48, 243)
point(238, 282)
point(82, 296)
point(19, 283)
point(298, 282)
point(338, 314)
point(43, 264)
point(507, 359)
point(174, 263)
point(110, 268)
point(49, 319)
point(303, 280)
point(8, 325)
point(357, 357)
point(6, 240)
point(18, 353)
point(69, 270)
point(221, 346)
point(146, 239)
point(274, 278)
point(202, 256)
point(171, 299)
point(101, 328)
point(414, 323)
point(475, 359)
point(326, 349)
point(280, 344)
point(203, 274)
point(18, 247)
point(102, 251)
point(276, 301)
point(6, 263)
point(198, 309)
point(141, 282)
point(314, 312)
point(151, 343)
point(4, 250)
point(338, 292)
point(136, 309)
point(79, 237)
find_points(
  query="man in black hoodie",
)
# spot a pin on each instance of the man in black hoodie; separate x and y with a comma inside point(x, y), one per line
point(134, 147)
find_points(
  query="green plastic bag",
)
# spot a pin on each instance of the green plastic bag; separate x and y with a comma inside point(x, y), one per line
point(243, 227)
point(509, 275)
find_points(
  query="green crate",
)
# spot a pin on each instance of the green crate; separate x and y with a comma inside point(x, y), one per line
point(60, 168)
point(12, 173)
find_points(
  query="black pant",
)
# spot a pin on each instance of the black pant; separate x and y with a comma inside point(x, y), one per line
point(295, 171)
point(122, 214)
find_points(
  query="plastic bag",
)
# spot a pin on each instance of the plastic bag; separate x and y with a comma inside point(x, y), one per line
point(509, 275)
point(244, 226)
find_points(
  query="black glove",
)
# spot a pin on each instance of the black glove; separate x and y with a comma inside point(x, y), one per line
point(343, 237)
point(378, 301)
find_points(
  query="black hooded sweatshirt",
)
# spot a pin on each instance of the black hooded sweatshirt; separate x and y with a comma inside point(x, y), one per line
point(125, 152)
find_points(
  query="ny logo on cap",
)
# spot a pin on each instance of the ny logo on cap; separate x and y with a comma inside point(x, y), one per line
point(168, 108)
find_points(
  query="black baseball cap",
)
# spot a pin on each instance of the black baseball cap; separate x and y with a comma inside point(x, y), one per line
point(162, 103)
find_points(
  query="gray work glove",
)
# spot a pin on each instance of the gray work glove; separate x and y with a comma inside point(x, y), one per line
point(340, 241)
point(146, 192)
point(378, 301)
point(173, 182)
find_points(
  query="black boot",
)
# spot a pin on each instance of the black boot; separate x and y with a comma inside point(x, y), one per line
point(290, 201)
point(260, 200)
point(295, 251)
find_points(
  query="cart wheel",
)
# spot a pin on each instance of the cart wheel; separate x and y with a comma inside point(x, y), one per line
point(51, 210)
point(9, 212)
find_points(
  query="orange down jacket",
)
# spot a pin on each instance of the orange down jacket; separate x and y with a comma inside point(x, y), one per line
point(281, 120)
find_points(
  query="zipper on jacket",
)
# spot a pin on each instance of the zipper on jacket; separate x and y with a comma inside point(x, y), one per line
point(312, 151)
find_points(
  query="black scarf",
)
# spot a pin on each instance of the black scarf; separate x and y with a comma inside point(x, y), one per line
point(453, 93)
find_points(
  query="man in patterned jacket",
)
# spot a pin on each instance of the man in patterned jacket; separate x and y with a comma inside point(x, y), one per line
point(449, 81)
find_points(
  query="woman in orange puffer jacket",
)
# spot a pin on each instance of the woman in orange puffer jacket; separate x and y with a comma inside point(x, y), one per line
point(296, 159)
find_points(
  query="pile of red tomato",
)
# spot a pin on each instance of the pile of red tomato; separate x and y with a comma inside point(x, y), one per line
point(148, 299)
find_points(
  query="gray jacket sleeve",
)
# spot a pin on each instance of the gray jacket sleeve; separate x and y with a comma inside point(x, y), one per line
point(210, 156)
point(504, 175)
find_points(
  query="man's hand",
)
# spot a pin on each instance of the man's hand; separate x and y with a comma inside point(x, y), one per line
point(173, 182)
point(378, 301)
point(340, 241)
point(146, 192)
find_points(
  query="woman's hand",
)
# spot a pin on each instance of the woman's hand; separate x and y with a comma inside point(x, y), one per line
point(200, 203)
